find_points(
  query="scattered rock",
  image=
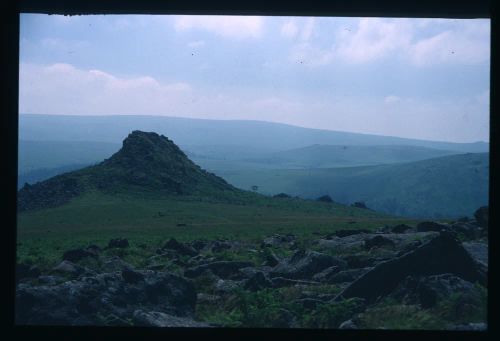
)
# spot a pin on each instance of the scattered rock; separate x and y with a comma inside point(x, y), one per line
point(76, 255)
point(305, 264)
point(481, 216)
point(308, 303)
point(257, 282)
point(359, 261)
point(478, 251)
point(479, 327)
point(50, 280)
point(470, 231)
point(223, 269)
point(271, 259)
point(280, 282)
point(226, 286)
point(131, 276)
point(68, 268)
point(159, 319)
point(181, 248)
point(115, 263)
point(118, 243)
point(347, 275)
point(427, 226)
point(219, 246)
point(324, 275)
point(24, 271)
point(277, 240)
point(199, 244)
point(349, 324)
point(378, 241)
point(345, 233)
point(206, 298)
point(401, 228)
point(439, 255)
point(77, 302)
point(428, 290)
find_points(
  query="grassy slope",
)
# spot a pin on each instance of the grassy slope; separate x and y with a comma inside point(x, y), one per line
point(44, 235)
point(441, 187)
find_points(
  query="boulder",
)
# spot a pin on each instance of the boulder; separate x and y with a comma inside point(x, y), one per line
point(427, 226)
point(68, 268)
point(401, 228)
point(271, 259)
point(159, 319)
point(257, 282)
point(428, 290)
point(359, 261)
point(226, 286)
point(325, 198)
point(118, 243)
point(280, 282)
point(378, 241)
point(223, 269)
point(443, 254)
point(199, 244)
point(346, 233)
point(115, 263)
point(470, 231)
point(481, 216)
point(277, 240)
point(326, 274)
point(478, 251)
point(219, 246)
point(477, 327)
point(76, 255)
point(304, 265)
point(349, 324)
point(360, 204)
point(77, 302)
point(24, 271)
point(347, 275)
point(181, 248)
point(131, 276)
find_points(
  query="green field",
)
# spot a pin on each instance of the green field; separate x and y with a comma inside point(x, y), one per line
point(148, 220)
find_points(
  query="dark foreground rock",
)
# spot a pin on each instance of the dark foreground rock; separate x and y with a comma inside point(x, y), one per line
point(442, 254)
point(118, 243)
point(223, 269)
point(305, 264)
point(159, 319)
point(82, 301)
point(181, 248)
point(481, 216)
point(24, 271)
point(76, 255)
point(428, 290)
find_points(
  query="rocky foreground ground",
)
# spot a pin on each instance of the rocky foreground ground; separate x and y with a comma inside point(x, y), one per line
point(431, 276)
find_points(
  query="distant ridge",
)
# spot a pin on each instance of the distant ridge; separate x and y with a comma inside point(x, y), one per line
point(146, 161)
point(188, 131)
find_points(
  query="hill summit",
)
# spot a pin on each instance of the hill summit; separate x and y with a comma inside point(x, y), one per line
point(146, 161)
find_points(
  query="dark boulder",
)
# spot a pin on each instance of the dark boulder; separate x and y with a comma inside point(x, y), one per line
point(351, 232)
point(326, 274)
point(280, 282)
point(277, 240)
point(427, 226)
point(159, 319)
point(429, 290)
point(271, 259)
point(79, 301)
point(67, 268)
point(401, 228)
point(199, 244)
point(378, 241)
point(181, 248)
point(118, 243)
point(359, 261)
point(257, 282)
point(481, 216)
point(219, 246)
point(281, 195)
point(132, 276)
point(470, 231)
point(223, 269)
point(442, 254)
point(76, 255)
point(24, 271)
point(347, 275)
point(478, 251)
point(304, 265)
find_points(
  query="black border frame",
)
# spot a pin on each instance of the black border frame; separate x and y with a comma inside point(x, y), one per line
point(368, 8)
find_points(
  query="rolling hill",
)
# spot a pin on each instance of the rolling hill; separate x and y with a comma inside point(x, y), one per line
point(202, 132)
point(449, 186)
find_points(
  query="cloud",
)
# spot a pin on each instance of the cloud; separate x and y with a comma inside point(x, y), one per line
point(289, 29)
point(468, 45)
point(64, 89)
point(238, 27)
point(195, 44)
point(374, 39)
point(391, 99)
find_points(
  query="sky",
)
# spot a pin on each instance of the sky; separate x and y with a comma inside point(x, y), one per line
point(413, 78)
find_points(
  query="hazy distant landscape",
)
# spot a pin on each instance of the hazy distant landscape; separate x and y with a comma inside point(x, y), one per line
point(253, 172)
point(404, 177)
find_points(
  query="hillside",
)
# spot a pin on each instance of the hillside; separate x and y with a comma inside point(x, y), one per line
point(145, 162)
point(200, 132)
point(448, 186)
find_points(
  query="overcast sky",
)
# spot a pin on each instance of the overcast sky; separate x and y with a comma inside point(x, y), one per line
point(416, 78)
